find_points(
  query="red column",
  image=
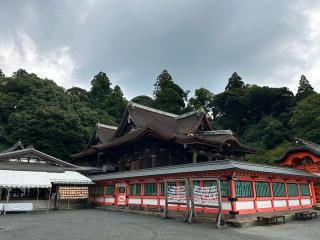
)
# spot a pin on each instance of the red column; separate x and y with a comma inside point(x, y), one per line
point(233, 195)
point(158, 193)
point(141, 193)
point(299, 194)
point(312, 193)
point(271, 193)
point(286, 192)
point(104, 191)
point(254, 195)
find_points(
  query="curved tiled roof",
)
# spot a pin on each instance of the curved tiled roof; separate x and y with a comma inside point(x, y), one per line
point(182, 129)
point(206, 166)
point(313, 149)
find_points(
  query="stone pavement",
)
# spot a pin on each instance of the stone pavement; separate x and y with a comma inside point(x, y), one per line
point(96, 224)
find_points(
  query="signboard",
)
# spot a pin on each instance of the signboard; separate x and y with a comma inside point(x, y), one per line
point(68, 192)
point(177, 194)
point(206, 196)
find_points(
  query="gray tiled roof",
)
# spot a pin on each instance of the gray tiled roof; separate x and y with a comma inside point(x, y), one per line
point(202, 167)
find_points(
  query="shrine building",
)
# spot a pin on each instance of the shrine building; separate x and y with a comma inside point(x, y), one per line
point(305, 156)
point(151, 149)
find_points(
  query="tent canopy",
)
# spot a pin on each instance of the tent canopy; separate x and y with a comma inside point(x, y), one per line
point(24, 179)
point(68, 177)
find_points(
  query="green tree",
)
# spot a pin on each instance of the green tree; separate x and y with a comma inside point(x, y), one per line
point(266, 134)
point(80, 93)
point(39, 112)
point(104, 97)
point(168, 95)
point(235, 81)
point(1, 74)
point(100, 89)
point(305, 120)
point(203, 98)
point(116, 103)
point(143, 100)
point(305, 89)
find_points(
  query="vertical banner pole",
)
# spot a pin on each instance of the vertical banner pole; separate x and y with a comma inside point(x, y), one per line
point(188, 213)
point(8, 196)
point(220, 220)
point(165, 213)
point(49, 200)
point(37, 197)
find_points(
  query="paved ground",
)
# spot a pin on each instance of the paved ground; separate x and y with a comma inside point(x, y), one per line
point(100, 224)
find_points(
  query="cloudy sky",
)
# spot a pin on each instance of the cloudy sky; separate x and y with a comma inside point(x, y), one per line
point(201, 43)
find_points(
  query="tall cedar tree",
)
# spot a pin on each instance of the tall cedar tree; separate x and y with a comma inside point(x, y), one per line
point(235, 81)
point(168, 96)
point(305, 89)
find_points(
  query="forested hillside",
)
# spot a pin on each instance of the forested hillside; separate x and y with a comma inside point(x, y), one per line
point(59, 121)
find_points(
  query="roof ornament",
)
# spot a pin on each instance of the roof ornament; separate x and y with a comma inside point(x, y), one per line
point(132, 105)
point(217, 132)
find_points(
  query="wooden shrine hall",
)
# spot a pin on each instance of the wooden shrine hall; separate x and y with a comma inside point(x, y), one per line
point(153, 153)
point(147, 138)
point(305, 156)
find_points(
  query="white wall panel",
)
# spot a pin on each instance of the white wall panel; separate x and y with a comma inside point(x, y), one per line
point(264, 204)
point(293, 202)
point(306, 201)
point(244, 205)
point(134, 201)
point(280, 203)
point(109, 200)
point(148, 201)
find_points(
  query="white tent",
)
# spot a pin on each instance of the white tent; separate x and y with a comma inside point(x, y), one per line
point(24, 179)
point(68, 177)
point(10, 179)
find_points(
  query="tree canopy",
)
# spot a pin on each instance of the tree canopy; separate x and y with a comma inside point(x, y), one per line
point(169, 96)
point(305, 89)
point(59, 121)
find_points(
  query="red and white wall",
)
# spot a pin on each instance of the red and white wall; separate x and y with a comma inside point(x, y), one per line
point(233, 204)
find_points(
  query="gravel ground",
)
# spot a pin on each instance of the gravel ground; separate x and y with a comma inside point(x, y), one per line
point(99, 224)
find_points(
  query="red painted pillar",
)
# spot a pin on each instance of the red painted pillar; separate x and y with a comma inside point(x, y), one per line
point(299, 194)
point(104, 189)
point(312, 193)
point(286, 192)
point(233, 195)
point(254, 195)
point(141, 193)
point(271, 194)
point(158, 193)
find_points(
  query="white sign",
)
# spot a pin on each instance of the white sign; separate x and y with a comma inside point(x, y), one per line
point(177, 194)
point(206, 195)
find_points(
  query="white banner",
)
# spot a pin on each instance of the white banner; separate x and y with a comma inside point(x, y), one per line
point(177, 194)
point(206, 195)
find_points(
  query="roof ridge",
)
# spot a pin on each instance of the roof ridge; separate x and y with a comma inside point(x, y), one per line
point(133, 104)
point(106, 126)
point(187, 114)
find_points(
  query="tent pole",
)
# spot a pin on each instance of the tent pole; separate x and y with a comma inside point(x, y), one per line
point(49, 200)
point(8, 196)
point(37, 197)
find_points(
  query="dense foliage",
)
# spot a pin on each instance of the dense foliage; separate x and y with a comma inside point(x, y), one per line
point(59, 121)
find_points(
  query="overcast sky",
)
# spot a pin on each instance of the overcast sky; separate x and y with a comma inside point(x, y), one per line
point(201, 43)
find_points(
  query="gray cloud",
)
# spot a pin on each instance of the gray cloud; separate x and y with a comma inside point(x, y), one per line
point(199, 42)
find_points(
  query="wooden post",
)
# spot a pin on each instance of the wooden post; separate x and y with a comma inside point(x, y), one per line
point(153, 160)
point(194, 156)
point(8, 196)
point(188, 213)
point(165, 213)
point(37, 197)
point(49, 200)
point(193, 214)
point(220, 218)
